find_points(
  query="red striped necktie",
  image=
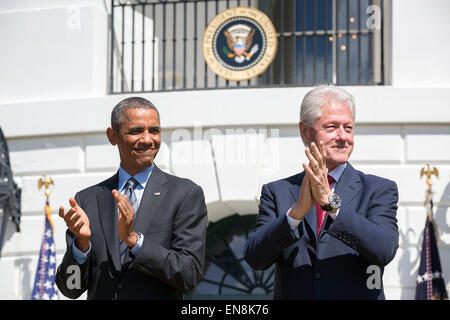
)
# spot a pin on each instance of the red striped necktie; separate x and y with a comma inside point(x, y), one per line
point(321, 213)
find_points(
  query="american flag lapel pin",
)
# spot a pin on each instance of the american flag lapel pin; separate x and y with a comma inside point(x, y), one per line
point(157, 193)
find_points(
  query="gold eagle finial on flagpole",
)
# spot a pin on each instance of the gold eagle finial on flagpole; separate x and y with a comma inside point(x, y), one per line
point(429, 172)
point(45, 182)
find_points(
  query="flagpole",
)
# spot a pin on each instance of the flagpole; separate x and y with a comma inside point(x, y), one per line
point(44, 284)
point(430, 281)
point(428, 172)
point(47, 182)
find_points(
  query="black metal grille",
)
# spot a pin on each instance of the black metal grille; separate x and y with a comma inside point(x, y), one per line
point(157, 45)
point(227, 274)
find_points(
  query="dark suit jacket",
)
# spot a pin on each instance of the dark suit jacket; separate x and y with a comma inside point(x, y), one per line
point(171, 259)
point(333, 264)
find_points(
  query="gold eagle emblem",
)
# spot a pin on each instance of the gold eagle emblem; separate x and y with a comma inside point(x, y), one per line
point(239, 41)
point(427, 171)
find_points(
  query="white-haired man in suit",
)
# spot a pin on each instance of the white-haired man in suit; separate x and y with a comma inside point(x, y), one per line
point(330, 227)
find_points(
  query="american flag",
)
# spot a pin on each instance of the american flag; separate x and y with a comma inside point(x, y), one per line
point(44, 283)
point(430, 280)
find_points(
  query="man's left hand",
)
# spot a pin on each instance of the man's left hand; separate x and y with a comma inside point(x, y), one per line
point(317, 171)
point(125, 219)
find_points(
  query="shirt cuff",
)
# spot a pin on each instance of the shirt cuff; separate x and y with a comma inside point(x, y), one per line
point(334, 215)
point(138, 245)
point(79, 256)
point(293, 223)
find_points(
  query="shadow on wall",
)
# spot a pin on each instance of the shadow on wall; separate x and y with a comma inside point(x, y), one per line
point(25, 270)
point(443, 227)
point(406, 267)
point(9, 231)
point(440, 216)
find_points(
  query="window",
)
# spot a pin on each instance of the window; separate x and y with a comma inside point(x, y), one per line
point(156, 45)
point(227, 274)
point(327, 41)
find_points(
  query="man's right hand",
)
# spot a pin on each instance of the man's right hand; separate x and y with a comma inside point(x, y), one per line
point(77, 222)
point(305, 200)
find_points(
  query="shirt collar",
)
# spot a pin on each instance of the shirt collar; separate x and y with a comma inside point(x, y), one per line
point(337, 172)
point(141, 177)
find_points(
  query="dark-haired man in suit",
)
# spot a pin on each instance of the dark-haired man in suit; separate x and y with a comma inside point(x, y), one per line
point(330, 230)
point(141, 233)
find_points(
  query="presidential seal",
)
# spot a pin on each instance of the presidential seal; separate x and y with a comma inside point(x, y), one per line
point(239, 43)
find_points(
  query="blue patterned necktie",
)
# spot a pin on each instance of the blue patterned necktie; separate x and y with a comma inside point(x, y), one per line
point(129, 193)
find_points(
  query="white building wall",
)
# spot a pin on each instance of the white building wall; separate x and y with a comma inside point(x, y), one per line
point(53, 49)
point(54, 119)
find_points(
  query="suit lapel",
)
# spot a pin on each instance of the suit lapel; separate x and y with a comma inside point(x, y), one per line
point(347, 188)
point(155, 191)
point(107, 209)
point(326, 224)
point(311, 217)
point(349, 185)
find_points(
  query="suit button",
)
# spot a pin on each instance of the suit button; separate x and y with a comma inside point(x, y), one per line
point(317, 276)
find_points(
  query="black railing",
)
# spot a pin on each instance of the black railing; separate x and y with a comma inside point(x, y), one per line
point(157, 45)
